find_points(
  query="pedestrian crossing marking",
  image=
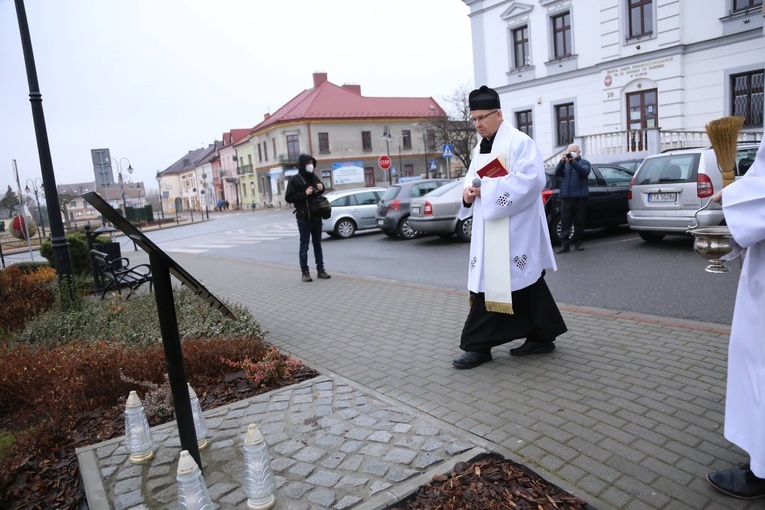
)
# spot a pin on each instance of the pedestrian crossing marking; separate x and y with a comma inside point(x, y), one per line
point(239, 237)
point(183, 250)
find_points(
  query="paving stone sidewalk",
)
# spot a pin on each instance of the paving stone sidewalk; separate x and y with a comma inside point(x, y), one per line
point(627, 413)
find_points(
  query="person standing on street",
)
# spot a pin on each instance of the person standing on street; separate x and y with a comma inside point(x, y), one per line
point(574, 192)
point(743, 204)
point(510, 246)
point(302, 191)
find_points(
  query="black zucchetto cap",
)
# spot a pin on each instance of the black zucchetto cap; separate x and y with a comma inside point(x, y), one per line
point(484, 98)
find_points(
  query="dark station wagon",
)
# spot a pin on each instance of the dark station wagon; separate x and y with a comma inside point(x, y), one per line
point(607, 205)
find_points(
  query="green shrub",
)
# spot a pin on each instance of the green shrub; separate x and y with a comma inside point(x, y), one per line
point(78, 251)
point(31, 267)
point(135, 321)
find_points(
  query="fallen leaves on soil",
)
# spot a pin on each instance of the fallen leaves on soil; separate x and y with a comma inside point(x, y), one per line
point(491, 483)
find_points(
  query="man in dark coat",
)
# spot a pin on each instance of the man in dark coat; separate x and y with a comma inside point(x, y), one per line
point(302, 191)
point(574, 192)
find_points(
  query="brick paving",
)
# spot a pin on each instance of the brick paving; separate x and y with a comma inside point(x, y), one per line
point(627, 413)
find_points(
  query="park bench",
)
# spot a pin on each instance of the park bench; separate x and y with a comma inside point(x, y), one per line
point(116, 273)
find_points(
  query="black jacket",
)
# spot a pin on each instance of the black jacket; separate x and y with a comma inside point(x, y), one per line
point(297, 186)
point(573, 176)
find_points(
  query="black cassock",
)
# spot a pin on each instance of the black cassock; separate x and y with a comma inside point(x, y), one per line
point(536, 316)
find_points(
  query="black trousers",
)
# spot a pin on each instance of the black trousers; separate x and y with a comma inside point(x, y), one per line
point(572, 211)
point(536, 317)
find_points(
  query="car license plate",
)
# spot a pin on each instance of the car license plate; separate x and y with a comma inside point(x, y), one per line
point(416, 209)
point(379, 223)
point(662, 197)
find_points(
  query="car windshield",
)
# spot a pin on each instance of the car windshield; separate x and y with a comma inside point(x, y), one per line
point(443, 189)
point(391, 193)
point(615, 176)
point(666, 169)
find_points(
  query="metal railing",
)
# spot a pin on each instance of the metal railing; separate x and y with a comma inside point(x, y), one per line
point(643, 142)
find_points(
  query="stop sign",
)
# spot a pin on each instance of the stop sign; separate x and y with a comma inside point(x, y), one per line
point(383, 162)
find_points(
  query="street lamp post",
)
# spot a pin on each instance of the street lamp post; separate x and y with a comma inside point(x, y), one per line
point(204, 194)
point(121, 181)
point(387, 136)
point(400, 164)
point(37, 186)
point(191, 206)
point(424, 147)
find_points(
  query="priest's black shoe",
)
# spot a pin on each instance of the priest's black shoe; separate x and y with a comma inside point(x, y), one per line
point(563, 249)
point(532, 347)
point(739, 483)
point(471, 359)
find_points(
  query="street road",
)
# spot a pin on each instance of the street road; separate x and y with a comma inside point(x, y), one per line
point(617, 270)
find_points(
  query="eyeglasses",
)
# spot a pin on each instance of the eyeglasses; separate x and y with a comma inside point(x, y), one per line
point(483, 117)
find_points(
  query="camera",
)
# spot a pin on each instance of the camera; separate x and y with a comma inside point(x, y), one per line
point(572, 155)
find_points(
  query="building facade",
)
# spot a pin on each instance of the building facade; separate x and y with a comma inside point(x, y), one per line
point(347, 133)
point(621, 76)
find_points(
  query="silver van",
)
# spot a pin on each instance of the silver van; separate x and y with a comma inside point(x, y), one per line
point(669, 188)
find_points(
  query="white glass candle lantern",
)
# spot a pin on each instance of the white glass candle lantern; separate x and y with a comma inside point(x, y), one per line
point(192, 491)
point(199, 419)
point(138, 439)
point(259, 483)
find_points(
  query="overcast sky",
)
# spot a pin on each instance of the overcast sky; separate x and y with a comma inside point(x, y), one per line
point(152, 79)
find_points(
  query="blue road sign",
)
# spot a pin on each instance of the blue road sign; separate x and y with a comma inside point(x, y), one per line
point(447, 150)
point(433, 165)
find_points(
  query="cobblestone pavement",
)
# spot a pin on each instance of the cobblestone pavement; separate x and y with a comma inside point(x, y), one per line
point(627, 413)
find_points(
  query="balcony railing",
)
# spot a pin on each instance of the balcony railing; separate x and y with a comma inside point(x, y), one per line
point(244, 169)
point(638, 143)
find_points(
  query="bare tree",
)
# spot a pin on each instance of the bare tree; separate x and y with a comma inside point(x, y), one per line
point(65, 196)
point(457, 127)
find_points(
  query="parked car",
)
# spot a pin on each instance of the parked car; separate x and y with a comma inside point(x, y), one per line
point(352, 210)
point(629, 164)
point(607, 206)
point(437, 213)
point(393, 209)
point(669, 188)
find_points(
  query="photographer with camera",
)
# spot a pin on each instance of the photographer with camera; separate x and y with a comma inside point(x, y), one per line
point(303, 189)
point(574, 192)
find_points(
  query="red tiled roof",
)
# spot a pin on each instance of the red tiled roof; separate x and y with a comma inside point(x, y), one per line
point(330, 101)
point(236, 135)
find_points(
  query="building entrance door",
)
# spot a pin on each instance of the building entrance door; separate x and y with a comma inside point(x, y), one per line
point(642, 114)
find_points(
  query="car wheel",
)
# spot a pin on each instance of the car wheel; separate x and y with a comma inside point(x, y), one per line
point(345, 228)
point(651, 237)
point(555, 231)
point(390, 233)
point(465, 229)
point(405, 230)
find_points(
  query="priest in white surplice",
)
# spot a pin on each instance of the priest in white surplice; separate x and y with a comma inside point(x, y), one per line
point(743, 204)
point(510, 247)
